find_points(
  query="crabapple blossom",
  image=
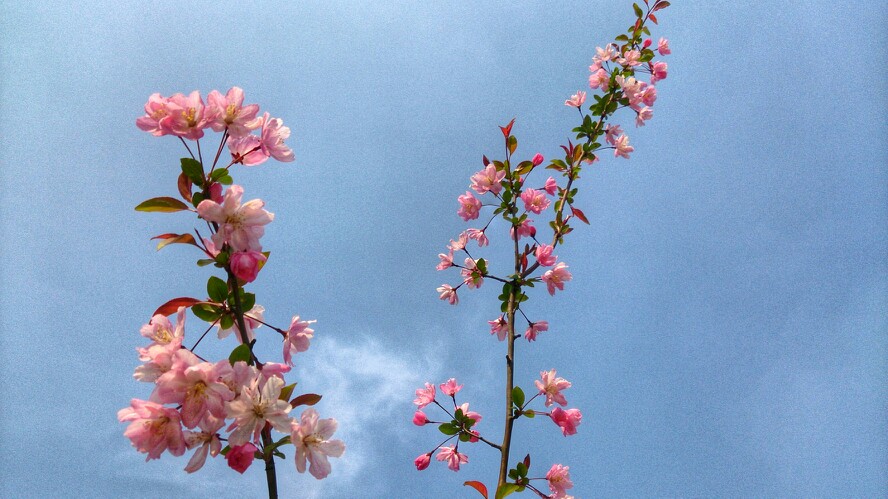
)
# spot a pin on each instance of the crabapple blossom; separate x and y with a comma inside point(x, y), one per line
point(240, 457)
point(252, 320)
point(525, 229)
point(311, 436)
point(419, 418)
point(659, 70)
point(630, 58)
point(425, 396)
point(158, 359)
point(247, 150)
point(254, 407)
point(297, 338)
point(535, 201)
point(544, 255)
point(162, 332)
point(611, 132)
point(558, 477)
point(551, 187)
point(272, 139)
point(488, 180)
point(448, 293)
point(537, 159)
point(472, 275)
point(153, 428)
point(155, 111)
point(622, 147)
point(460, 242)
point(197, 389)
point(556, 277)
point(446, 260)
point(567, 420)
point(499, 327)
point(576, 100)
point(478, 235)
point(551, 387)
point(535, 328)
point(450, 388)
point(605, 54)
point(240, 225)
point(187, 116)
point(474, 416)
point(663, 47)
point(452, 456)
point(422, 462)
point(599, 79)
point(643, 115)
point(245, 264)
point(208, 440)
point(469, 206)
point(229, 112)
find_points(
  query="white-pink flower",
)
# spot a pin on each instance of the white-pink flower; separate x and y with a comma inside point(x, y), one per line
point(599, 79)
point(153, 428)
point(311, 437)
point(630, 58)
point(622, 147)
point(273, 135)
point(469, 206)
point(162, 332)
point(472, 275)
point(450, 388)
point(247, 150)
point(425, 396)
point(499, 327)
point(251, 320)
point(297, 338)
point(551, 387)
point(535, 328)
point(611, 132)
point(556, 277)
point(197, 387)
point(659, 71)
point(558, 477)
point(453, 458)
point(254, 407)
point(155, 111)
point(544, 255)
point(535, 201)
point(240, 225)
point(478, 235)
point(488, 180)
point(663, 46)
point(208, 440)
point(446, 260)
point(525, 229)
point(187, 116)
point(228, 111)
point(551, 186)
point(643, 115)
point(448, 293)
point(576, 100)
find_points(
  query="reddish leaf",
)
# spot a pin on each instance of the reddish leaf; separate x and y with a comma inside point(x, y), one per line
point(480, 487)
point(185, 187)
point(579, 214)
point(527, 461)
point(174, 239)
point(660, 5)
point(653, 18)
point(507, 130)
point(170, 307)
point(305, 399)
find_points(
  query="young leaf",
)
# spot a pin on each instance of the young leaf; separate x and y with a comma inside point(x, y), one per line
point(287, 391)
point(305, 399)
point(579, 214)
point(507, 130)
point(638, 12)
point(506, 489)
point(168, 239)
point(170, 307)
point(184, 185)
point(480, 487)
point(162, 204)
point(217, 289)
point(518, 396)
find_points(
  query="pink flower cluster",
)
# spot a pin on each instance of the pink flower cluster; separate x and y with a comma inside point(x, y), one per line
point(461, 425)
point(193, 400)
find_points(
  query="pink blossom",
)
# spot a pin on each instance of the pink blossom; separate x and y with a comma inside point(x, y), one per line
point(460, 242)
point(197, 389)
point(155, 111)
point(422, 462)
point(425, 396)
point(643, 115)
point(649, 95)
point(604, 54)
point(247, 150)
point(631, 88)
point(478, 234)
point(245, 264)
point(556, 277)
point(158, 359)
point(311, 436)
point(453, 458)
point(240, 225)
point(474, 416)
point(551, 187)
point(419, 418)
point(647, 43)
point(559, 481)
point(153, 428)
point(251, 320)
point(663, 47)
point(611, 133)
point(630, 58)
point(208, 440)
point(229, 112)
point(544, 255)
point(499, 327)
point(471, 274)
point(525, 229)
point(535, 201)
point(272, 139)
point(469, 206)
point(240, 457)
point(622, 147)
point(659, 70)
point(576, 100)
point(537, 159)
point(187, 116)
point(551, 387)
point(297, 338)
point(568, 420)
point(488, 179)
point(215, 195)
point(448, 293)
point(535, 328)
point(599, 79)
point(446, 260)
point(450, 388)
point(254, 407)
point(162, 332)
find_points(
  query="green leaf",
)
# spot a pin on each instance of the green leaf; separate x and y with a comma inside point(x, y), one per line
point(287, 391)
point(248, 301)
point(226, 322)
point(217, 289)
point(193, 170)
point(226, 180)
point(513, 144)
point(305, 399)
point(197, 198)
point(203, 262)
point(529, 414)
point(240, 353)
point(217, 174)
point(524, 167)
point(226, 450)
point(464, 437)
point(448, 429)
point(521, 469)
point(207, 312)
point(162, 204)
point(638, 12)
point(506, 489)
point(518, 396)
point(482, 265)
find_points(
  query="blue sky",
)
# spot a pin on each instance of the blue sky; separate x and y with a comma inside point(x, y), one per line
point(725, 330)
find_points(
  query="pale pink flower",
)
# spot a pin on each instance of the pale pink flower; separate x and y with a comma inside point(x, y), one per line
point(622, 147)
point(251, 320)
point(422, 462)
point(630, 58)
point(245, 264)
point(247, 150)
point(446, 260)
point(544, 255)
point(600, 79)
point(155, 111)
point(576, 100)
point(535, 328)
point(499, 327)
point(162, 332)
point(425, 396)
point(254, 407)
point(568, 420)
point(469, 206)
point(604, 54)
point(187, 116)
point(663, 47)
point(241, 376)
point(273, 135)
point(419, 418)
point(551, 187)
point(198, 389)
point(453, 458)
point(525, 229)
point(208, 440)
point(474, 416)
point(631, 88)
point(297, 338)
point(649, 95)
point(153, 428)
point(478, 235)
point(643, 115)
point(450, 387)
point(240, 225)
point(556, 277)
point(158, 359)
point(551, 387)
point(659, 70)
point(472, 276)
point(240, 457)
point(275, 369)
point(311, 437)
point(488, 180)
point(558, 477)
point(228, 111)
point(611, 133)
point(595, 66)
point(535, 201)
point(537, 159)
point(448, 293)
